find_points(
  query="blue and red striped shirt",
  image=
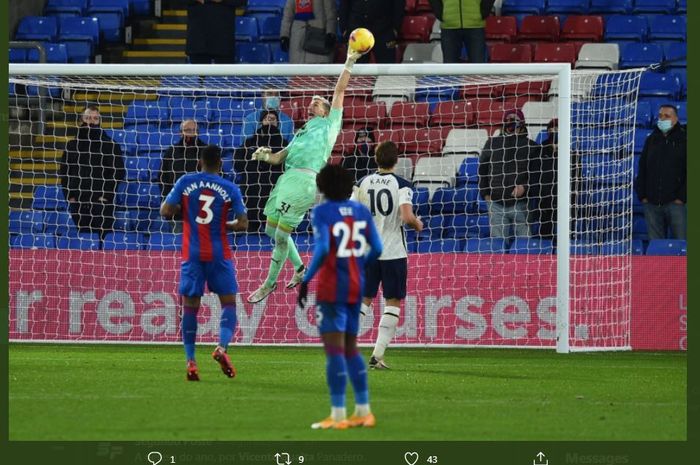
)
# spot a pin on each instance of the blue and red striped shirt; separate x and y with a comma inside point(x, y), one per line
point(345, 239)
point(206, 201)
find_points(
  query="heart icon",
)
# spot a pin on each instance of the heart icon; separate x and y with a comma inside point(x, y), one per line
point(411, 458)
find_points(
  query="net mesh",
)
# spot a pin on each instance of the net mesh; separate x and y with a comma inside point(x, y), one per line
point(104, 266)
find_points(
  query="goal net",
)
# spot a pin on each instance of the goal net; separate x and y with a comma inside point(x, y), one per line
point(522, 175)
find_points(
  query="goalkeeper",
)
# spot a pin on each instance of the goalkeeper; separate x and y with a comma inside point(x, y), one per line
point(295, 191)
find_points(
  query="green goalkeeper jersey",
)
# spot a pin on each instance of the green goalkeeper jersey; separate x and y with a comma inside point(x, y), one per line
point(312, 144)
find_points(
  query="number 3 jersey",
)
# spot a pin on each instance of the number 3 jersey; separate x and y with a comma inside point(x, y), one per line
point(383, 194)
point(206, 200)
point(345, 238)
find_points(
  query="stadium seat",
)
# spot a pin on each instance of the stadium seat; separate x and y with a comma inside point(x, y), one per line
point(434, 172)
point(253, 53)
point(164, 242)
point(252, 242)
point(577, 7)
point(109, 6)
point(278, 55)
point(34, 241)
point(659, 85)
point(157, 141)
point(65, 7)
point(513, 7)
point(142, 195)
point(605, 56)
point(609, 7)
point(682, 109)
point(409, 114)
point(18, 55)
point(359, 113)
point(247, 29)
point(124, 241)
point(265, 6)
point(454, 200)
point(422, 53)
point(640, 136)
point(468, 172)
point(485, 245)
point(421, 200)
point(682, 6)
point(626, 28)
point(667, 247)
point(640, 55)
point(111, 26)
point(675, 55)
point(226, 109)
point(463, 226)
point(664, 27)
point(26, 221)
point(140, 7)
point(82, 241)
point(555, 53)
point(643, 115)
point(539, 113)
point(441, 246)
point(654, 6)
point(583, 28)
point(539, 28)
point(459, 113)
point(41, 28)
point(144, 111)
point(414, 140)
point(55, 53)
point(49, 198)
point(182, 108)
point(59, 223)
point(269, 27)
point(465, 141)
point(510, 53)
point(416, 28)
point(395, 86)
point(500, 29)
point(79, 29)
point(529, 245)
point(435, 87)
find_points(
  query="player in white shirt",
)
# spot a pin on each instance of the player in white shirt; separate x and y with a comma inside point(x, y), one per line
point(389, 199)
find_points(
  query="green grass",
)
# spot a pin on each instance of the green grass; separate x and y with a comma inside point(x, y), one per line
point(82, 392)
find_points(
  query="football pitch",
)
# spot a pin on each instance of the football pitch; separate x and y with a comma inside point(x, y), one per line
point(138, 392)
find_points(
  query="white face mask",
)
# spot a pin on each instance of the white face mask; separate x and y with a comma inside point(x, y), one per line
point(664, 125)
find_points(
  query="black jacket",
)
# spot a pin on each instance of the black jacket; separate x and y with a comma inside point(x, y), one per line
point(211, 27)
point(360, 164)
point(503, 164)
point(379, 16)
point(91, 166)
point(178, 159)
point(255, 173)
point(543, 175)
point(663, 168)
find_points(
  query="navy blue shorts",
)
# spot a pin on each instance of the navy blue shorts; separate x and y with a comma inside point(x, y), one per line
point(218, 275)
point(338, 318)
point(391, 273)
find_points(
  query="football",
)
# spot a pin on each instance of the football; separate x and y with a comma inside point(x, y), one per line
point(361, 40)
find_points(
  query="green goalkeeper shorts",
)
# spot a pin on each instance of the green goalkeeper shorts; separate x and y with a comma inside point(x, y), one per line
point(293, 195)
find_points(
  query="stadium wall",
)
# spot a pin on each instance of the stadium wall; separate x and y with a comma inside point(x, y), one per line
point(81, 296)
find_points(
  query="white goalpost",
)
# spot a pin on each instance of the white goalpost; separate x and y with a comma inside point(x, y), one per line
point(549, 267)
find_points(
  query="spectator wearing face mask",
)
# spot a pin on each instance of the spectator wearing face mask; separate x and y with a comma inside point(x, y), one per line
point(361, 162)
point(256, 178)
point(181, 158)
point(271, 102)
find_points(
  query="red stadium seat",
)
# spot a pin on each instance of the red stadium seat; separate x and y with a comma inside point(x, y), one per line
point(311, 85)
point(290, 108)
point(491, 112)
point(416, 28)
point(410, 114)
point(501, 29)
point(583, 28)
point(510, 53)
point(360, 114)
point(539, 28)
point(345, 143)
point(538, 89)
point(459, 113)
point(555, 53)
point(412, 140)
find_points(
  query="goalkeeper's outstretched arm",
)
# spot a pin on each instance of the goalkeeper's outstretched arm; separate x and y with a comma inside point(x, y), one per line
point(344, 79)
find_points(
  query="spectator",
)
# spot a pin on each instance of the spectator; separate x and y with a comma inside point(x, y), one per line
point(308, 30)
point(181, 158)
point(211, 31)
point(382, 17)
point(254, 177)
point(271, 102)
point(503, 176)
point(462, 24)
point(361, 162)
point(662, 178)
point(91, 167)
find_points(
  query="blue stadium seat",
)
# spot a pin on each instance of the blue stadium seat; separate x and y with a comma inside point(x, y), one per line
point(664, 27)
point(654, 6)
point(247, 29)
point(667, 247)
point(143, 195)
point(605, 169)
point(182, 108)
point(143, 111)
point(164, 242)
point(265, 6)
point(227, 110)
point(278, 55)
point(124, 241)
point(252, 242)
point(64, 7)
point(421, 199)
point(55, 53)
point(682, 109)
point(180, 85)
point(530, 7)
point(433, 228)
point(682, 75)
point(26, 221)
point(81, 37)
point(109, 6)
point(155, 142)
point(42, 28)
point(111, 27)
point(675, 54)
point(146, 220)
point(49, 198)
point(578, 7)
point(626, 27)
point(644, 115)
point(636, 247)
point(682, 6)
point(639, 228)
point(60, 223)
point(485, 245)
point(659, 85)
point(269, 26)
point(611, 6)
point(468, 172)
point(304, 242)
point(142, 168)
point(578, 247)
point(127, 140)
point(253, 53)
point(82, 241)
point(530, 245)
point(140, 7)
point(640, 55)
point(18, 55)
point(441, 246)
point(34, 241)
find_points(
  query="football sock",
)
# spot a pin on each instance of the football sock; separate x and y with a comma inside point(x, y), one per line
point(336, 375)
point(227, 325)
point(357, 372)
point(294, 254)
point(279, 255)
point(189, 330)
point(338, 413)
point(365, 309)
point(387, 330)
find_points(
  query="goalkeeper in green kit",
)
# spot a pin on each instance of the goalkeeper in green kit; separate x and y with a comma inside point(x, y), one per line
point(295, 191)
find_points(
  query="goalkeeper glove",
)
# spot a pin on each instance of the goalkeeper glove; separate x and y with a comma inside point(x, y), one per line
point(303, 292)
point(262, 154)
point(351, 60)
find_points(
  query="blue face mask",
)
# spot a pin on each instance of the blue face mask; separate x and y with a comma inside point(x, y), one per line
point(664, 125)
point(272, 103)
